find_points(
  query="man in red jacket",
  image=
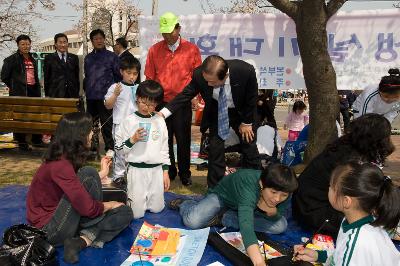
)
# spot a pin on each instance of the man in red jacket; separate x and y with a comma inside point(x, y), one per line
point(171, 62)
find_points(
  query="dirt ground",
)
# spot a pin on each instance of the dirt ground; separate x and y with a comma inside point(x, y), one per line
point(18, 167)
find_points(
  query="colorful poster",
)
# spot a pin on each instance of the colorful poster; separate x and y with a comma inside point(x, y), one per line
point(156, 241)
point(189, 250)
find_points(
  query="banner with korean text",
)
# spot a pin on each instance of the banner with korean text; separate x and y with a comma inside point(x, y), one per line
point(363, 45)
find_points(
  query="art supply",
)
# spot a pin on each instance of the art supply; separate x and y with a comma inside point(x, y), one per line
point(311, 238)
point(265, 253)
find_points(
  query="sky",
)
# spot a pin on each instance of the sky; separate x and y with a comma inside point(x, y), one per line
point(64, 16)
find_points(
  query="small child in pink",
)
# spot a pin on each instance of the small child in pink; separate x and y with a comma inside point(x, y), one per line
point(296, 120)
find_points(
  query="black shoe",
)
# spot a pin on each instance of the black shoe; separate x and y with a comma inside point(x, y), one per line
point(202, 166)
point(186, 181)
point(175, 203)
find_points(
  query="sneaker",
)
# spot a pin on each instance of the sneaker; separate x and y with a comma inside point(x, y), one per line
point(175, 203)
point(186, 181)
point(202, 166)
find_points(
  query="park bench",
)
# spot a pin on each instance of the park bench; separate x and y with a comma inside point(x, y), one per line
point(34, 115)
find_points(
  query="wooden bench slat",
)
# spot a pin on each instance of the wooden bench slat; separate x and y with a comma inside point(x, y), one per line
point(37, 109)
point(31, 117)
point(27, 127)
point(29, 101)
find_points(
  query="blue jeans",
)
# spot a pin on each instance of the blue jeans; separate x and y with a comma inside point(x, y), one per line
point(67, 222)
point(197, 214)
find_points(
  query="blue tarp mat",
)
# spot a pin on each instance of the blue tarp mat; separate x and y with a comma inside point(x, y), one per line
point(13, 211)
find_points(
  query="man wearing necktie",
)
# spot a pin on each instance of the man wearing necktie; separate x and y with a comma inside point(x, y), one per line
point(61, 71)
point(229, 89)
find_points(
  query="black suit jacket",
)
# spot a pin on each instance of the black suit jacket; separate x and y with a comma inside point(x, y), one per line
point(126, 53)
point(61, 79)
point(244, 89)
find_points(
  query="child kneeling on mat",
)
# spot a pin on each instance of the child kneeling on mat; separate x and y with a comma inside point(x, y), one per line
point(249, 200)
point(370, 203)
point(143, 138)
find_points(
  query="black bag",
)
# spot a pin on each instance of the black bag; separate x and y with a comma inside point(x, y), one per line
point(25, 245)
point(111, 193)
point(204, 145)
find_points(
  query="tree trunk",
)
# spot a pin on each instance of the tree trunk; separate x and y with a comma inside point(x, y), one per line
point(319, 75)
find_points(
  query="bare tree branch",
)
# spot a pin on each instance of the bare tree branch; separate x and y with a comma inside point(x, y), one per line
point(105, 15)
point(287, 7)
point(333, 6)
point(16, 17)
point(5, 38)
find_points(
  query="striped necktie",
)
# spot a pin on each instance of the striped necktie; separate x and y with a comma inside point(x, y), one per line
point(223, 117)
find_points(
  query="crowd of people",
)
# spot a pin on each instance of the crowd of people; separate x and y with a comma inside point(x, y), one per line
point(139, 120)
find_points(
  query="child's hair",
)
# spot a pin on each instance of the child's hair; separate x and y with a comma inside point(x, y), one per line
point(150, 89)
point(390, 84)
point(299, 105)
point(375, 192)
point(279, 177)
point(71, 139)
point(131, 62)
point(372, 144)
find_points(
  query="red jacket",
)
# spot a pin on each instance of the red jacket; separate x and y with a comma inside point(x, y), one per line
point(173, 70)
point(51, 181)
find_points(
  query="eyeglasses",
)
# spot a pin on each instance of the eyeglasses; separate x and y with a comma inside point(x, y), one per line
point(148, 104)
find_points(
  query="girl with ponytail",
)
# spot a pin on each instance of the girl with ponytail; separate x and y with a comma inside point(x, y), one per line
point(369, 201)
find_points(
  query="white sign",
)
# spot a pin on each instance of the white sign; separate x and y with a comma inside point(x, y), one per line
point(363, 44)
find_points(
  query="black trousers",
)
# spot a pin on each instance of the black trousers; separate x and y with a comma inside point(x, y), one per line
point(179, 125)
point(216, 154)
point(346, 118)
point(101, 114)
point(31, 91)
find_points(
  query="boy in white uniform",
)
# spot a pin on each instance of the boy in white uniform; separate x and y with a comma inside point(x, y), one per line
point(121, 97)
point(143, 138)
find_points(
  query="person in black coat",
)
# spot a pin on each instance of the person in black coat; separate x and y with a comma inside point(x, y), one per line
point(362, 143)
point(61, 71)
point(20, 74)
point(238, 80)
point(121, 48)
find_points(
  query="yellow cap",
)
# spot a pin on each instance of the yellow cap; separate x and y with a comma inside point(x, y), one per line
point(167, 22)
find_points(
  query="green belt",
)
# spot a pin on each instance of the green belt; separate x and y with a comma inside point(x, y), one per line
point(144, 165)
